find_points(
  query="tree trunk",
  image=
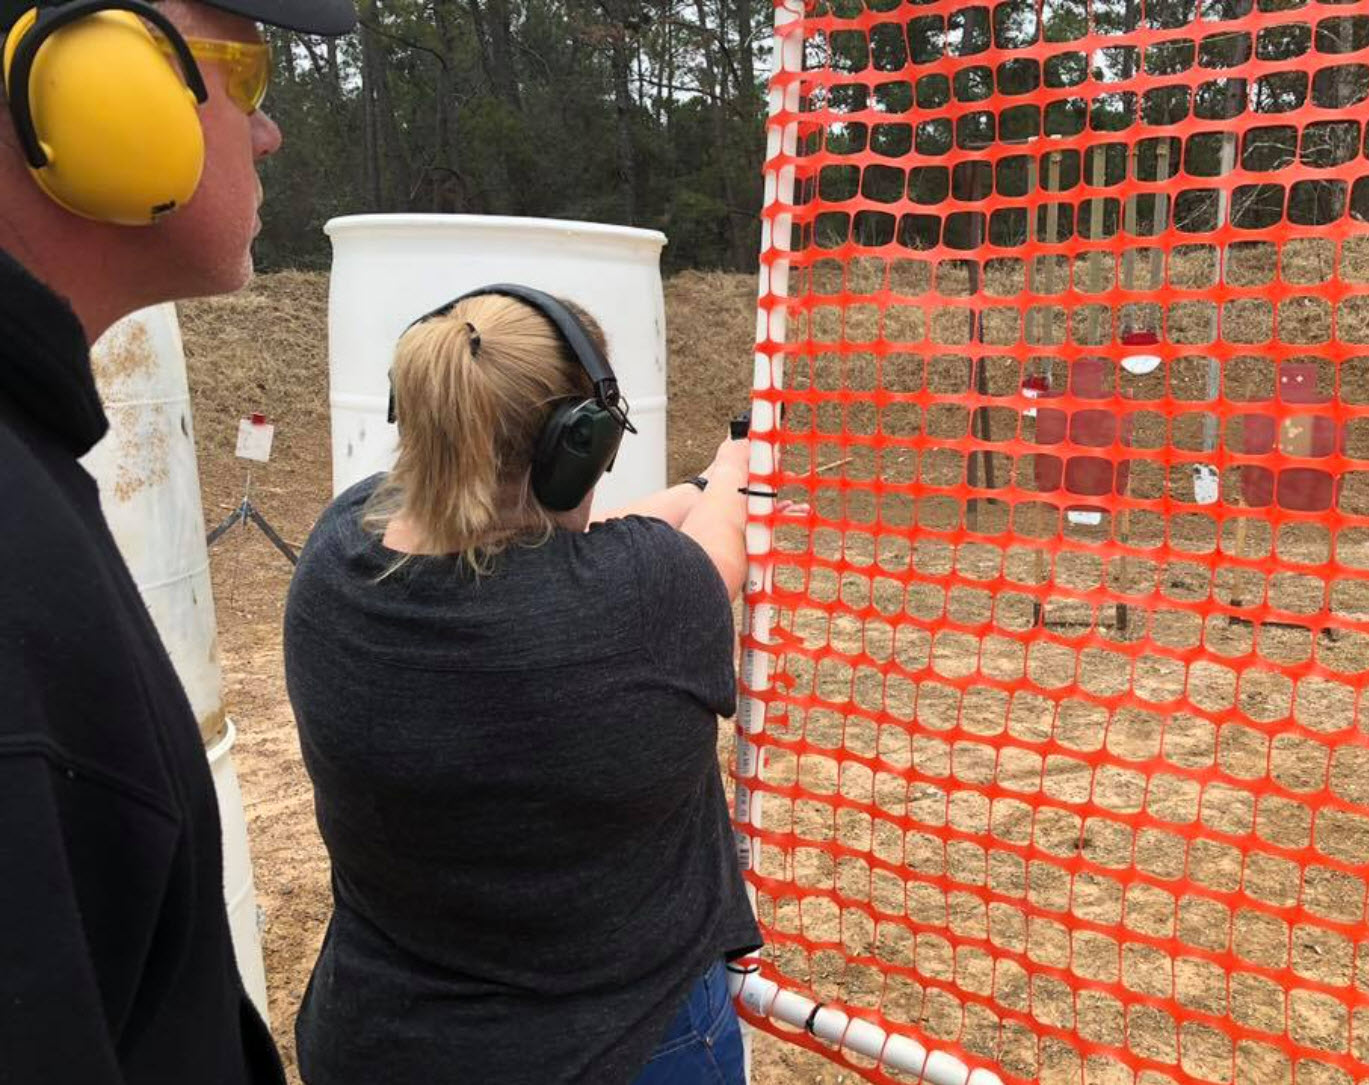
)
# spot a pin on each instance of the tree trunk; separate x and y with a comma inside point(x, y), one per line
point(505, 77)
point(444, 179)
point(749, 103)
point(662, 67)
point(482, 39)
point(334, 71)
point(493, 41)
point(391, 162)
point(714, 85)
point(721, 68)
point(494, 38)
point(622, 102)
point(641, 71)
point(371, 136)
point(746, 56)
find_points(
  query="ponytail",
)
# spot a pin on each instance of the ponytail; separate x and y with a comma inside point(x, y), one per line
point(473, 390)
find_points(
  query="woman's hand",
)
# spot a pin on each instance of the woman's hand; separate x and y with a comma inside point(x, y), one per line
point(732, 460)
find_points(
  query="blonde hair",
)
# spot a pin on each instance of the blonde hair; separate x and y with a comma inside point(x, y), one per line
point(473, 390)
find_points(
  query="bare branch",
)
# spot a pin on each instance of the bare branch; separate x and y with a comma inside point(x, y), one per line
point(400, 39)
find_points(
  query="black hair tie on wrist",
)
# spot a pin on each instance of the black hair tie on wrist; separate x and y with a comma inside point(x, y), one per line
point(699, 481)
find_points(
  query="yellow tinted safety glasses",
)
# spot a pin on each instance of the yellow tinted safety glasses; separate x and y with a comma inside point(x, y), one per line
point(248, 64)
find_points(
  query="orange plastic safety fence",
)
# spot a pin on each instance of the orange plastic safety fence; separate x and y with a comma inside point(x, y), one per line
point(1063, 756)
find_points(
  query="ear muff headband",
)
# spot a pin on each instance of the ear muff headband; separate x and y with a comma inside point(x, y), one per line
point(594, 364)
point(580, 440)
point(52, 17)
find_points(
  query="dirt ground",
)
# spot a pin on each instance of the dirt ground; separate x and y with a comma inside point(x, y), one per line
point(266, 349)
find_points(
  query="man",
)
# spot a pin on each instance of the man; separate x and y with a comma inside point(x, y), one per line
point(116, 964)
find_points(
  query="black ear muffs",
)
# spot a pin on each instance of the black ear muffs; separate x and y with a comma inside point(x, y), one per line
point(577, 445)
point(579, 442)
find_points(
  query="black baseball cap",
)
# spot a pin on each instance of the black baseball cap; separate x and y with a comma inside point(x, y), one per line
point(325, 17)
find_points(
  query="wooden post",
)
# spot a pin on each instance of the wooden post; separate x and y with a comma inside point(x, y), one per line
point(1043, 326)
point(979, 420)
point(1095, 277)
point(1211, 431)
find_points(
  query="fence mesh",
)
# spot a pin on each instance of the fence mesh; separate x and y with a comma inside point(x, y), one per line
point(1056, 755)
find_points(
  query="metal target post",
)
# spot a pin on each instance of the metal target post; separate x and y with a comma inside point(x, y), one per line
point(254, 445)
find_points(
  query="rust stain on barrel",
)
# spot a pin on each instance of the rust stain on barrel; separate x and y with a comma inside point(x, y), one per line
point(213, 727)
point(121, 357)
point(143, 459)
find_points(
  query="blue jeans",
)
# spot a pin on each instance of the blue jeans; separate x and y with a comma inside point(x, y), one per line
point(703, 1045)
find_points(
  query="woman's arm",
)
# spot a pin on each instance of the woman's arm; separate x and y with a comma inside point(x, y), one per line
point(671, 505)
point(715, 517)
point(717, 522)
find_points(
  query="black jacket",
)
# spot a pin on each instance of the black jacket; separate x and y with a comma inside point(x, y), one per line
point(115, 959)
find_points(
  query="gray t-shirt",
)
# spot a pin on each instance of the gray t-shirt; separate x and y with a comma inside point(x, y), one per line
point(517, 783)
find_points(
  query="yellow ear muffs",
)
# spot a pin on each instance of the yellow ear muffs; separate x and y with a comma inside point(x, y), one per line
point(108, 125)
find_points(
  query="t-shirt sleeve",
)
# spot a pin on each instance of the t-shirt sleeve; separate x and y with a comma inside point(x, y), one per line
point(686, 615)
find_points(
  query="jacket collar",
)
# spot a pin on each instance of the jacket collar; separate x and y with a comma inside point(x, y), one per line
point(45, 373)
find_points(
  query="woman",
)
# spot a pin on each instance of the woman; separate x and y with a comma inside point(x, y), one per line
point(509, 717)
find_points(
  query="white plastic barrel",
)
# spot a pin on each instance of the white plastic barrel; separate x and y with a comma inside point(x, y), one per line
point(390, 269)
point(237, 869)
point(150, 493)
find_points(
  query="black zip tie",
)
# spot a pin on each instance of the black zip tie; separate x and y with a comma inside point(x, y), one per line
point(757, 493)
point(812, 1017)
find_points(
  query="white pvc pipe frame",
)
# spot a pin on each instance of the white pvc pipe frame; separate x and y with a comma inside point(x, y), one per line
point(760, 995)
